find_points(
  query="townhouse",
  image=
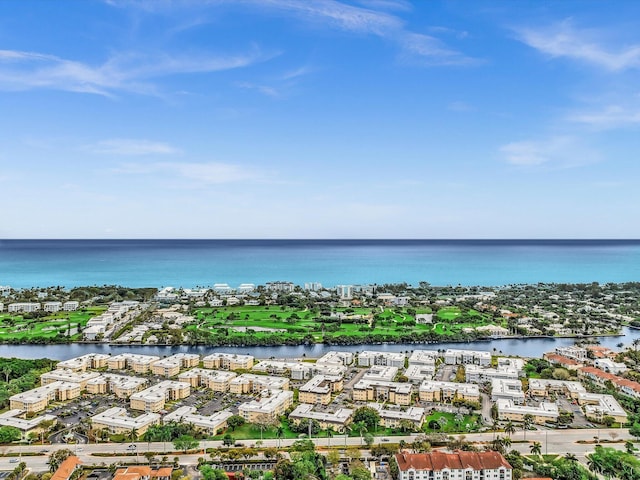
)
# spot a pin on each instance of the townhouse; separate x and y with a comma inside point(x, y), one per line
point(459, 465)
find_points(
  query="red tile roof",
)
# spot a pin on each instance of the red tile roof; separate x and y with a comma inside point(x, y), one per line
point(66, 468)
point(458, 460)
point(553, 357)
point(615, 379)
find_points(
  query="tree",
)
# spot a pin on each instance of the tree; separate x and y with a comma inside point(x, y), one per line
point(368, 440)
point(265, 422)
point(361, 428)
point(527, 421)
point(509, 428)
point(185, 443)
point(57, 457)
point(536, 448)
point(235, 421)
point(634, 430)
point(227, 440)
point(367, 415)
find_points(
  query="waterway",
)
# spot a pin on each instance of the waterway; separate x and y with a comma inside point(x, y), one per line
point(525, 347)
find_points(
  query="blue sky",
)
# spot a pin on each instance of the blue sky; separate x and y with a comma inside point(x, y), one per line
point(319, 119)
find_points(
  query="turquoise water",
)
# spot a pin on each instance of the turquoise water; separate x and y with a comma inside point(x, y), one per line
point(189, 263)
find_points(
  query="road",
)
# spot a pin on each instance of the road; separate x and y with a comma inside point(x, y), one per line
point(552, 441)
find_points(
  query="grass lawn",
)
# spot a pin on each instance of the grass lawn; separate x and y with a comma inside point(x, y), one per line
point(249, 431)
point(17, 327)
point(452, 426)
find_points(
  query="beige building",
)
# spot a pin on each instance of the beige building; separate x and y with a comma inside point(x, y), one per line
point(81, 378)
point(319, 389)
point(392, 418)
point(434, 391)
point(337, 420)
point(171, 366)
point(391, 359)
point(38, 399)
point(228, 361)
point(271, 404)
point(122, 386)
point(153, 399)
point(544, 413)
point(132, 361)
point(249, 383)
point(597, 406)
point(541, 387)
point(85, 362)
point(210, 424)
point(378, 391)
point(216, 380)
point(117, 421)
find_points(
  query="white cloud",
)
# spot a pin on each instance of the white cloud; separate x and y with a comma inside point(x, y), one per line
point(609, 117)
point(557, 151)
point(459, 106)
point(124, 72)
point(264, 89)
point(131, 147)
point(373, 18)
point(197, 174)
point(563, 40)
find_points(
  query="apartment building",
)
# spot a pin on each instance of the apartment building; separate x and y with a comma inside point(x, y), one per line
point(391, 359)
point(566, 362)
point(337, 420)
point(423, 357)
point(338, 358)
point(597, 406)
point(171, 366)
point(70, 306)
point(381, 391)
point(38, 399)
point(122, 386)
point(600, 377)
point(319, 389)
point(381, 373)
point(25, 307)
point(544, 413)
point(271, 404)
point(81, 378)
point(52, 307)
point(392, 418)
point(116, 420)
point(419, 373)
point(84, 362)
point(299, 370)
point(210, 424)
point(542, 387)
point(445, 392)
point(478, 374)
point(508, 389)
point(153, 399)
point(228, 361)
point(459, 465)
point(17, 419)
point(249, 383)
point(138, 363)
point(467, 357)
point(574, 352)
point(216, 380)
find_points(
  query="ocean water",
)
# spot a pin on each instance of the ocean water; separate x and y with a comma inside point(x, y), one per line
point(190, 263)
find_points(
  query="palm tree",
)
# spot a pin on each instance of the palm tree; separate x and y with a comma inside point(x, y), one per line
point(536, 448)
point(571, 457)
point(361, 428)
point(526, 423)
point(509, 428)
point(279, 434)
point(595, 464)
point(330, 433)
point(506, 442)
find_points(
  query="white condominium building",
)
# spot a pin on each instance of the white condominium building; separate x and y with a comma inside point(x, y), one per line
point(208, 423)
point(419, 373)
point(423, 357)
point(70, 306)
point(271, 404)
point(597, 406)
point(23, 307)
point(318, 390)
point(467, 357)
point(116, 420)
point(380, 373)
point(334, 357)
point(52, 307)
point(478, 374)
point(391, 359)
point(380, 391)
point(507, 389)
